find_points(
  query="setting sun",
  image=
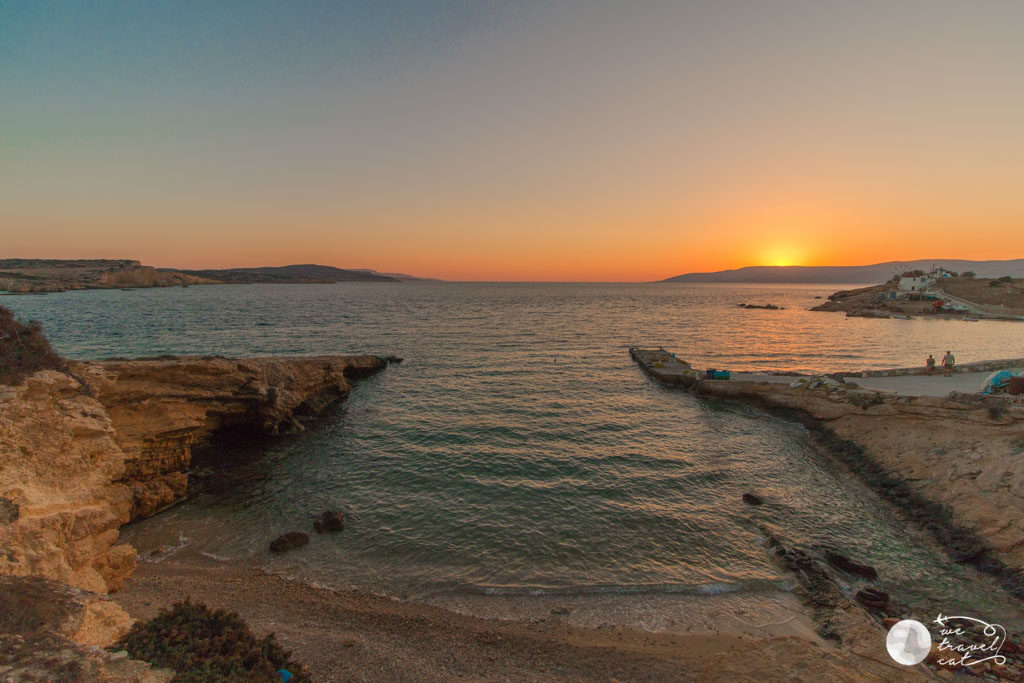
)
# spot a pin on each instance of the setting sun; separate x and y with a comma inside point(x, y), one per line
point(782, 256)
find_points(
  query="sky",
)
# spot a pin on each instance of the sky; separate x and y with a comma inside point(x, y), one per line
point(501, 140)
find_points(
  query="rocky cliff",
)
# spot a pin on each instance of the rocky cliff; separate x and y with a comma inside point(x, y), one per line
point(959, 455)
point(60, 501)
point(161, 409)
point(83, 452)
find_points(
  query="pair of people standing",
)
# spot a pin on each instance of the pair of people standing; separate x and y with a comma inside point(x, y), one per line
point(948, 361)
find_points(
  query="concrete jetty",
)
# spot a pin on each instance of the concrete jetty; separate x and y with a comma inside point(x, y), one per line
point(968, 378)
point(664, 367)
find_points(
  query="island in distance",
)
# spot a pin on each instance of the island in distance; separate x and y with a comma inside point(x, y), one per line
point(33, 276)
point(869, 274)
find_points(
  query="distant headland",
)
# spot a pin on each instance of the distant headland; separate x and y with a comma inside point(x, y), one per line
point(869, 274)
point(35, 276)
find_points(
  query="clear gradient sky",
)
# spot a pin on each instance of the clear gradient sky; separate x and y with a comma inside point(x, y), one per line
point(486, 140)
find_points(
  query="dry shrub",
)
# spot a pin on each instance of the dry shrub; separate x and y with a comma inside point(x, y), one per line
point(24, 349)
point(201, 644)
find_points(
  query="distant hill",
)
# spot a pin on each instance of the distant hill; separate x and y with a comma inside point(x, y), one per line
point(398, 276)
point(872, 274)
point(302, 273)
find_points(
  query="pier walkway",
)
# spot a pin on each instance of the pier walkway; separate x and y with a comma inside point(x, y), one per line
point(663, 366)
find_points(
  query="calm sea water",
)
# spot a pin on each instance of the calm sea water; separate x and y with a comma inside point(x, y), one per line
point(518, 450)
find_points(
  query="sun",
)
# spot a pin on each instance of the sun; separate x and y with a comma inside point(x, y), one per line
point(782, 255)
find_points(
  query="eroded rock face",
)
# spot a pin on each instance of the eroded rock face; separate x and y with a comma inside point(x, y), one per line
point(59, 464)
point(161, 409)
point(83, 452)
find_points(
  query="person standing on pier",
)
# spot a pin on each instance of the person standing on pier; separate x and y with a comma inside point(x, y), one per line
point(947, 363)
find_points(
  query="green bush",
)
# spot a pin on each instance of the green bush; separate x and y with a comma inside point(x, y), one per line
point(23, 349)
point(201, 644)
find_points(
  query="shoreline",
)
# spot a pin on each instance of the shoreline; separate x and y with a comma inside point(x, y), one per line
point(344, 635)
point(146, 416)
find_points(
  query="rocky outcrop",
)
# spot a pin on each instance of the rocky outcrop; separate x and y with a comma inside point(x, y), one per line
point(161, 409)
point(51, 631)
point(60, 465)
point(958, 455)
point(83, 452)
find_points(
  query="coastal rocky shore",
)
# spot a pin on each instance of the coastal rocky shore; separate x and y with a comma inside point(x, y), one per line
point(90, 448)
point(952, 462)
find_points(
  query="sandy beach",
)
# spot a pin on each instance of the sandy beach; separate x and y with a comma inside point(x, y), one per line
point(344, 636)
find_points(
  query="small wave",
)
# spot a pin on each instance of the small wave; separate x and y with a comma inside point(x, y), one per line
point(214, 556)
point(158, 555)
point(716, 588)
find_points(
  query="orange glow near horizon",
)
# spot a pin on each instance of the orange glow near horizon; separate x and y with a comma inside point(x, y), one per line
point(581, 141)
point(451, 250)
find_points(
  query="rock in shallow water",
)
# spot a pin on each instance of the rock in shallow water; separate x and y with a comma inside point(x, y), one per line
point(845, 564)
point(332, 520)
point(751, 499)
point(288, 541)
point(872, 598)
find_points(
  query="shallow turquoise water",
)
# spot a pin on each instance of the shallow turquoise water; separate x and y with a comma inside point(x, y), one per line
point(519, 450)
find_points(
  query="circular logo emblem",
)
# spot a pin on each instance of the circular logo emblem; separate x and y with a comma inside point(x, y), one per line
point(908, 642)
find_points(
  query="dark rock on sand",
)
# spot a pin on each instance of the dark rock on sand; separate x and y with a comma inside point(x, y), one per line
point(872, 598)
point(332, 520)
point(8, 511)
point(752, 499)
point(845, 564)
point(818, 587)
point(289, 541)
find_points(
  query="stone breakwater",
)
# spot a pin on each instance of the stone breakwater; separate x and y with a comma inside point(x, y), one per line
point(84, 451)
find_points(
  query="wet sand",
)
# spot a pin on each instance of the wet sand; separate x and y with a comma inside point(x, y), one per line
point(342, 636)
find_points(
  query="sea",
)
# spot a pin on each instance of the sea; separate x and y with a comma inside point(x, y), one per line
point(518, 458)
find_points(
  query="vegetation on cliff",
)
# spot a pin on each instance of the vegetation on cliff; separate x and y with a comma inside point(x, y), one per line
point(201, 644)
point(24, 349)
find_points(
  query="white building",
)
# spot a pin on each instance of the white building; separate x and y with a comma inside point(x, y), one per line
point(916, 283)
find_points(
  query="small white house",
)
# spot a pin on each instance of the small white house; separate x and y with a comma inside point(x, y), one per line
point(916, 283)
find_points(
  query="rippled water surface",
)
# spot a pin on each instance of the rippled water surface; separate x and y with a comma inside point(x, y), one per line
point(519, 450)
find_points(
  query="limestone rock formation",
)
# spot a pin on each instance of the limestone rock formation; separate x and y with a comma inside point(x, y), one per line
point(162, 408)
point(59, 462)
point(84, 451)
